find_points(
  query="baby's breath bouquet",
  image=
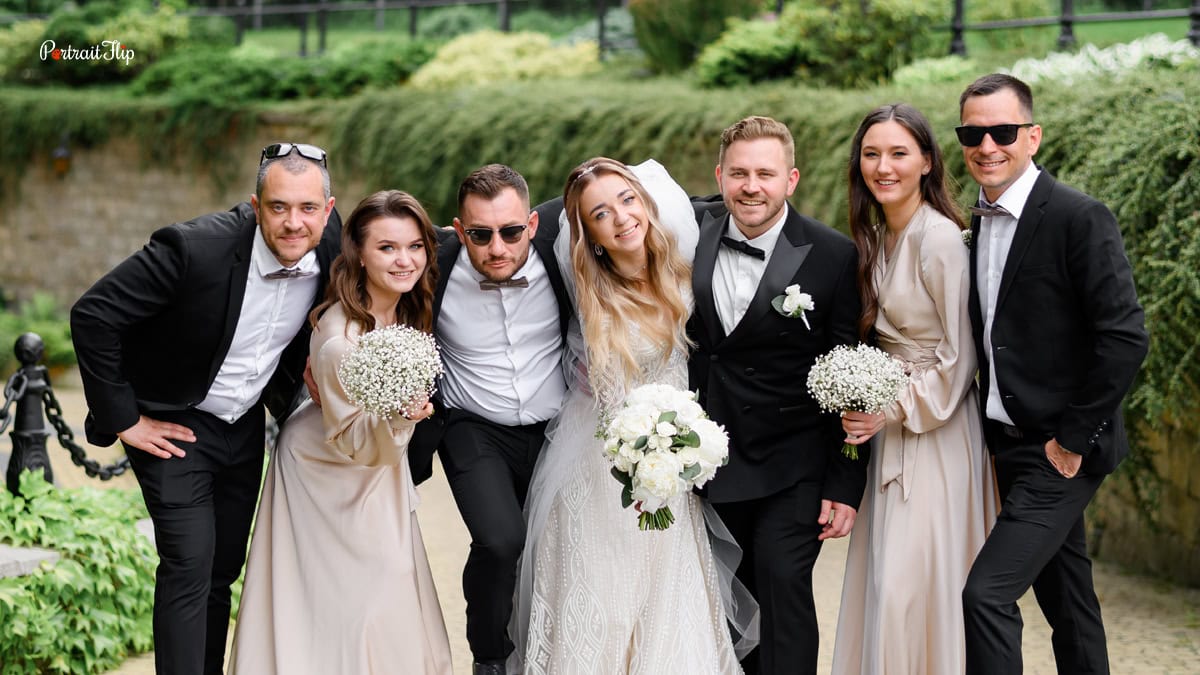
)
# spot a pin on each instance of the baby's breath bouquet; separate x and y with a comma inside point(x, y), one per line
point(861, 378)
point(393, 369)
point(661, 443)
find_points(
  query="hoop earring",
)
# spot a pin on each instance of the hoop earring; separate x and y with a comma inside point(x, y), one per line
point(598, 250)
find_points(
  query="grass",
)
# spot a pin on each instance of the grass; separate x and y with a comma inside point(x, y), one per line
point(1002, 48)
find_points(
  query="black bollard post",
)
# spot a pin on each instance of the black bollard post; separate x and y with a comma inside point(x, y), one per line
point(29, 427)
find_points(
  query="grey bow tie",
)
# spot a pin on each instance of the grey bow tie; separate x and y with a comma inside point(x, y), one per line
point(285, 273)
point(983, 210)
point(489, 285)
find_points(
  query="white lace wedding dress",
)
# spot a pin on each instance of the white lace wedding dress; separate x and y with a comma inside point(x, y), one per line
point(599, 595)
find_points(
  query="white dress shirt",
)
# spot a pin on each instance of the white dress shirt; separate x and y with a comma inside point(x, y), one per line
point(273, 310)
point(502, 348)
point(736, 278)
point(994, 241)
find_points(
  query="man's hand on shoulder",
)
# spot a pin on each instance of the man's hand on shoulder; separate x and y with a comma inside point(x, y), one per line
point(155, 436)
point(311, 383)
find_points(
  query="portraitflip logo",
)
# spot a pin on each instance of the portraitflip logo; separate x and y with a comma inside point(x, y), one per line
point(108, 50)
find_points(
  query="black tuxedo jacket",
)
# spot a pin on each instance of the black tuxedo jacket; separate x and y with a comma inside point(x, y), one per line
point(428, 435)
point(754, 380)
point(1068, 334)
point(152, 334)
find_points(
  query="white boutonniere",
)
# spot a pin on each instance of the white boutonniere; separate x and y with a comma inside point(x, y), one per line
point(793, 304)
point(966, 237)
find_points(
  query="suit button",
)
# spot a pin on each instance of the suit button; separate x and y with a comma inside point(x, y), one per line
point(749, 371)
point(1007, 397)
point(714, 358)
point(745, 408)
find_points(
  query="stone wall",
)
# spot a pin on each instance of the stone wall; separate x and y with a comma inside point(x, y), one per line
point(59, 235)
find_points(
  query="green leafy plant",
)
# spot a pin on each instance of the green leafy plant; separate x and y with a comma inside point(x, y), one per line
point(92, 608)
point(492, 56)
point(43, 315)
point(672, 32)
point(941, 70)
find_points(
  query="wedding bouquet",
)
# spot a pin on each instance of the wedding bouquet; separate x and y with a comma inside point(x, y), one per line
point(393, 369)
point(860, 378)
point(661, 443)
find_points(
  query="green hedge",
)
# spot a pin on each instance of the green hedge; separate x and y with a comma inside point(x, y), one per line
point(93, 607)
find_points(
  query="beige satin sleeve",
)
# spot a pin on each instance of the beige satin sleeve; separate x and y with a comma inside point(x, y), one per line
point(357, 437)
point(935, 390)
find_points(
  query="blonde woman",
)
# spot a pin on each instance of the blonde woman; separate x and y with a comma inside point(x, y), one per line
point(598, 595)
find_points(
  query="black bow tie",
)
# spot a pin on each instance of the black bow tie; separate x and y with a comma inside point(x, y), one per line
point(489, 285)
point(743, 247)
point(985, 210)
point(285, 273)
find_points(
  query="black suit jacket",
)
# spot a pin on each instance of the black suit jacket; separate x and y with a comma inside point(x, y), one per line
point(754, 380)
point(152, 334)
point(427, 436)
point(1068, 334)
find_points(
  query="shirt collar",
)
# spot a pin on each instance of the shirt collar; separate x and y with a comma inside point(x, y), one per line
point(1013, 199)
point(766, 240)
point(265, 262)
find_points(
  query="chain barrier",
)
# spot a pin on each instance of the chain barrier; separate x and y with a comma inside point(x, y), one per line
point(14, 389)
point(66, 438)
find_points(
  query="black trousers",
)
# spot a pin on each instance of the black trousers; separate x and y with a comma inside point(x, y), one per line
point(778, 536)
point(488, 466)
point(202, 506)
point(1039, 540)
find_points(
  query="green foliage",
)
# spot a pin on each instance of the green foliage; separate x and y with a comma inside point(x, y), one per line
point(19, 44)
point(554, 25)
point(618, 29)
point(942, 70)
point(492, 56)
point(105, 32)
point(248, 74)
point(41, 315)
point(1029, 39)
point(93, 607)
point(672, 32)
point(750, 51)
point(832, 43)
point(443, 23)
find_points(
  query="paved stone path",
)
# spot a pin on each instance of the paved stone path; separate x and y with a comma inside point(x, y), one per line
point(1153, 627)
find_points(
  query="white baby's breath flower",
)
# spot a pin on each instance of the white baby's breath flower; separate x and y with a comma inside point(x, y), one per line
point(391, 370)
point(860, 378)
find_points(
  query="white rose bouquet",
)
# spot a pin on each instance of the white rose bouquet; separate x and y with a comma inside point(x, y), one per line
point(861, 378)
point(393, 369)
point(660, 444)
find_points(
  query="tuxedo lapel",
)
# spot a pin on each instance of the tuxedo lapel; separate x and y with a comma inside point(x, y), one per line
point(974, 306)
point(239, 269)
point(448, 248)
point(702, 274)
point(791, 250)
point(544, 246)
point(1027, 225)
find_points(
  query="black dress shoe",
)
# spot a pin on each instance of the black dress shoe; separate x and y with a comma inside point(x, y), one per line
point(488, 669)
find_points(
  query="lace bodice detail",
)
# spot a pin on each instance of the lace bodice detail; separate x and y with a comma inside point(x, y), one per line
point(610, 389)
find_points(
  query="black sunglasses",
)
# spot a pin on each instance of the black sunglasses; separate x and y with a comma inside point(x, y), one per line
point(277, 150)
point(482, 236)
point(1002, 134)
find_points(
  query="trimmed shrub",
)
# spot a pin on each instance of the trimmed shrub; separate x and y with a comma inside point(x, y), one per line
point(93, 607)
point(492, 56)
point(943, 70)
point(835, 44)
point(672, 32)
point(1030, 39)
point(41, 315)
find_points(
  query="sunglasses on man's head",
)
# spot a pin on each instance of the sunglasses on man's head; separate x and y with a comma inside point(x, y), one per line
point(277, 150)
point(1002, 134)
point(482, 236)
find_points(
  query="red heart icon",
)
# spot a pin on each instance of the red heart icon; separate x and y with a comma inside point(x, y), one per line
point(56, 54)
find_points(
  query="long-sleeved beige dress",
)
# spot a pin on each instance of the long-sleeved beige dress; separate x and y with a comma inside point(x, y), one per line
point(931, 497)
point(338, 580)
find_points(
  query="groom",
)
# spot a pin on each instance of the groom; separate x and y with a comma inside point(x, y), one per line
point(787, 486)
point(500, 315)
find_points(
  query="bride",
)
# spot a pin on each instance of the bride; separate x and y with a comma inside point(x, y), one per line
point(596, 594)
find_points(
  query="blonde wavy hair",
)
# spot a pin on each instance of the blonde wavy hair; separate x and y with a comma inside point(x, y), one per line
point(609, 301)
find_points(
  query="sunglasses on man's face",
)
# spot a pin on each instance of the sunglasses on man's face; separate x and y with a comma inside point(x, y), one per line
point(277, 150)
point(1002, 134)
point(482, 236)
